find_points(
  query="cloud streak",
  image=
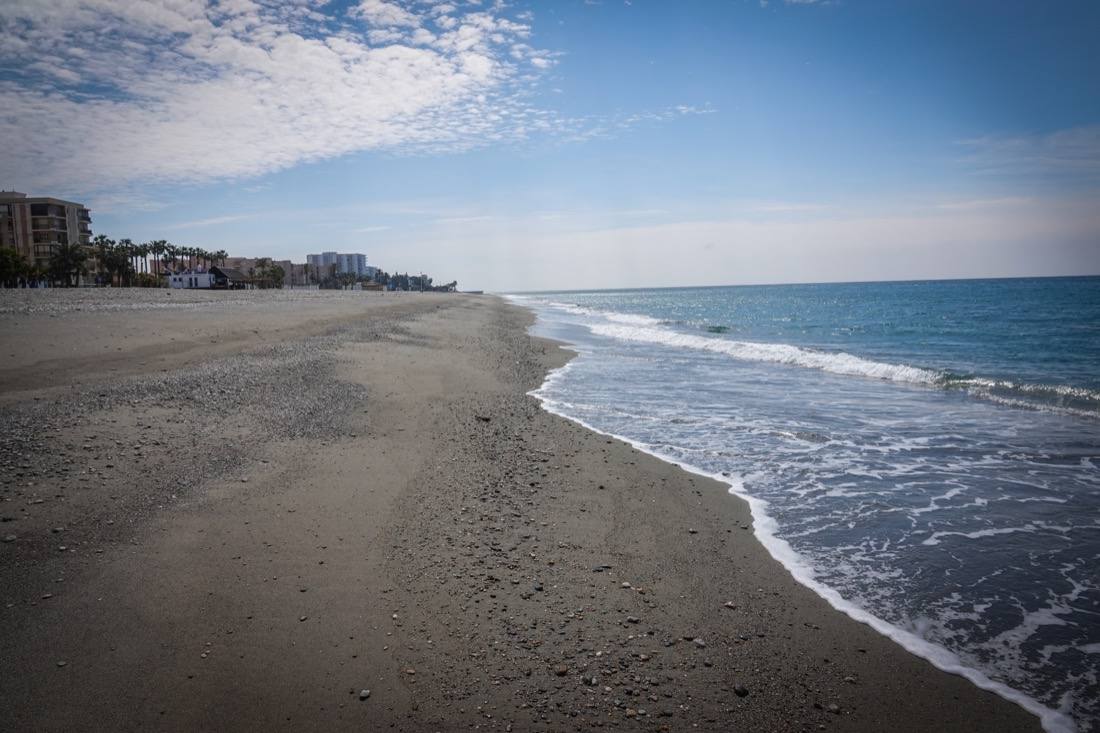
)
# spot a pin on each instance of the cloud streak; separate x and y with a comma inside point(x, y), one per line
point(132, 92)
point(1070, 153)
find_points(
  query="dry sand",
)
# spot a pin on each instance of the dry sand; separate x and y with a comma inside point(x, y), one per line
point(240, 512)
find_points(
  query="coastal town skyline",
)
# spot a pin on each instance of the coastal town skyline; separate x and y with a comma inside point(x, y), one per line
point(540, 146)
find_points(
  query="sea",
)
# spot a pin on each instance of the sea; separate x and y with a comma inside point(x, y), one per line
point(925, 455)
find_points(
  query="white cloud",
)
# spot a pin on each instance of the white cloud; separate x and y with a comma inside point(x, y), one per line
point(382, 13)
point(134, 92)
point(124, 94)
point(212, 221)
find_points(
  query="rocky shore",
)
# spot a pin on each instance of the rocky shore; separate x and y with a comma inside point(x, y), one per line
point(346, 513)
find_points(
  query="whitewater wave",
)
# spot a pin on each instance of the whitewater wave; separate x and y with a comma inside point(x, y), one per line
point(1058, 398)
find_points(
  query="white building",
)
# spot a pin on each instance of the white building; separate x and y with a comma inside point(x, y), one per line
point(336, 263)
point(191, 280)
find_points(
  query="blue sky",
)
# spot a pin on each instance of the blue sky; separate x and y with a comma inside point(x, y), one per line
point(573, 144)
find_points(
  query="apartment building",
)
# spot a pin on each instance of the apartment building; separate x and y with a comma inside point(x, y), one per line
point(336, 263)
point(35, 225)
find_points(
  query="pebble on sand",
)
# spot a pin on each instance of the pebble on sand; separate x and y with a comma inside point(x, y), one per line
point(364, 694)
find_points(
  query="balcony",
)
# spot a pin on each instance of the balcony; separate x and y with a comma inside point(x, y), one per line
point(46, 223)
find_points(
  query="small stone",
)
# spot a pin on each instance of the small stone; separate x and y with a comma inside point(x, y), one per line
point(834, 708)
point(730, 605)
point(692, 530)
point(410, 670)
point(632, 619)
point(631, 713)
point(302, 618)
point(741, 691)
point(625, 584)
point(62, 664)
point(561, 670)
point(699, 642)
point(364, 694)
point(10, 538)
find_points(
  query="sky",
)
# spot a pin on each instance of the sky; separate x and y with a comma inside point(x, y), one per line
point(572, 144)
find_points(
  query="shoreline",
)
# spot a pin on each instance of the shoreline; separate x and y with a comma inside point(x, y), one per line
point(781, 551)
point(416, 525)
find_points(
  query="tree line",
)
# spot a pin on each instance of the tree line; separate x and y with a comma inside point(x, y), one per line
point(122, 262)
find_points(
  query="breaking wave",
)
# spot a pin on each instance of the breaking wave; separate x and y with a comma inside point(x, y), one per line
point(1058, 398)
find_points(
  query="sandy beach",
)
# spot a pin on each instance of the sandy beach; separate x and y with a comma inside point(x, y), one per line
point(336, 511)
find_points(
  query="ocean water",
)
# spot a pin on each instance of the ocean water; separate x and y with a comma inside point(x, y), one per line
point(926, 455)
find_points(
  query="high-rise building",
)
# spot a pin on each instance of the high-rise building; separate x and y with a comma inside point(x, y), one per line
point(334, 263)
point(35, 226)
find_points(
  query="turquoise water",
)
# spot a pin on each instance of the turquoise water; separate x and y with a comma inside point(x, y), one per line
point(925, 454)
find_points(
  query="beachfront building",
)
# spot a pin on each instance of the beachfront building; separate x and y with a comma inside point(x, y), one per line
point(335, 263)
point(191, 280)
point(228, 278)
point(34, 226)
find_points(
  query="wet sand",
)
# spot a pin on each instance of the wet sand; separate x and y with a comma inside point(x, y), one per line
point(243, 515)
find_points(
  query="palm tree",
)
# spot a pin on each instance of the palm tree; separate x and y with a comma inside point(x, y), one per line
point(104, 247)
point(159, 247)
point(68, 262)
point(143, 251)
point(171, 254)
